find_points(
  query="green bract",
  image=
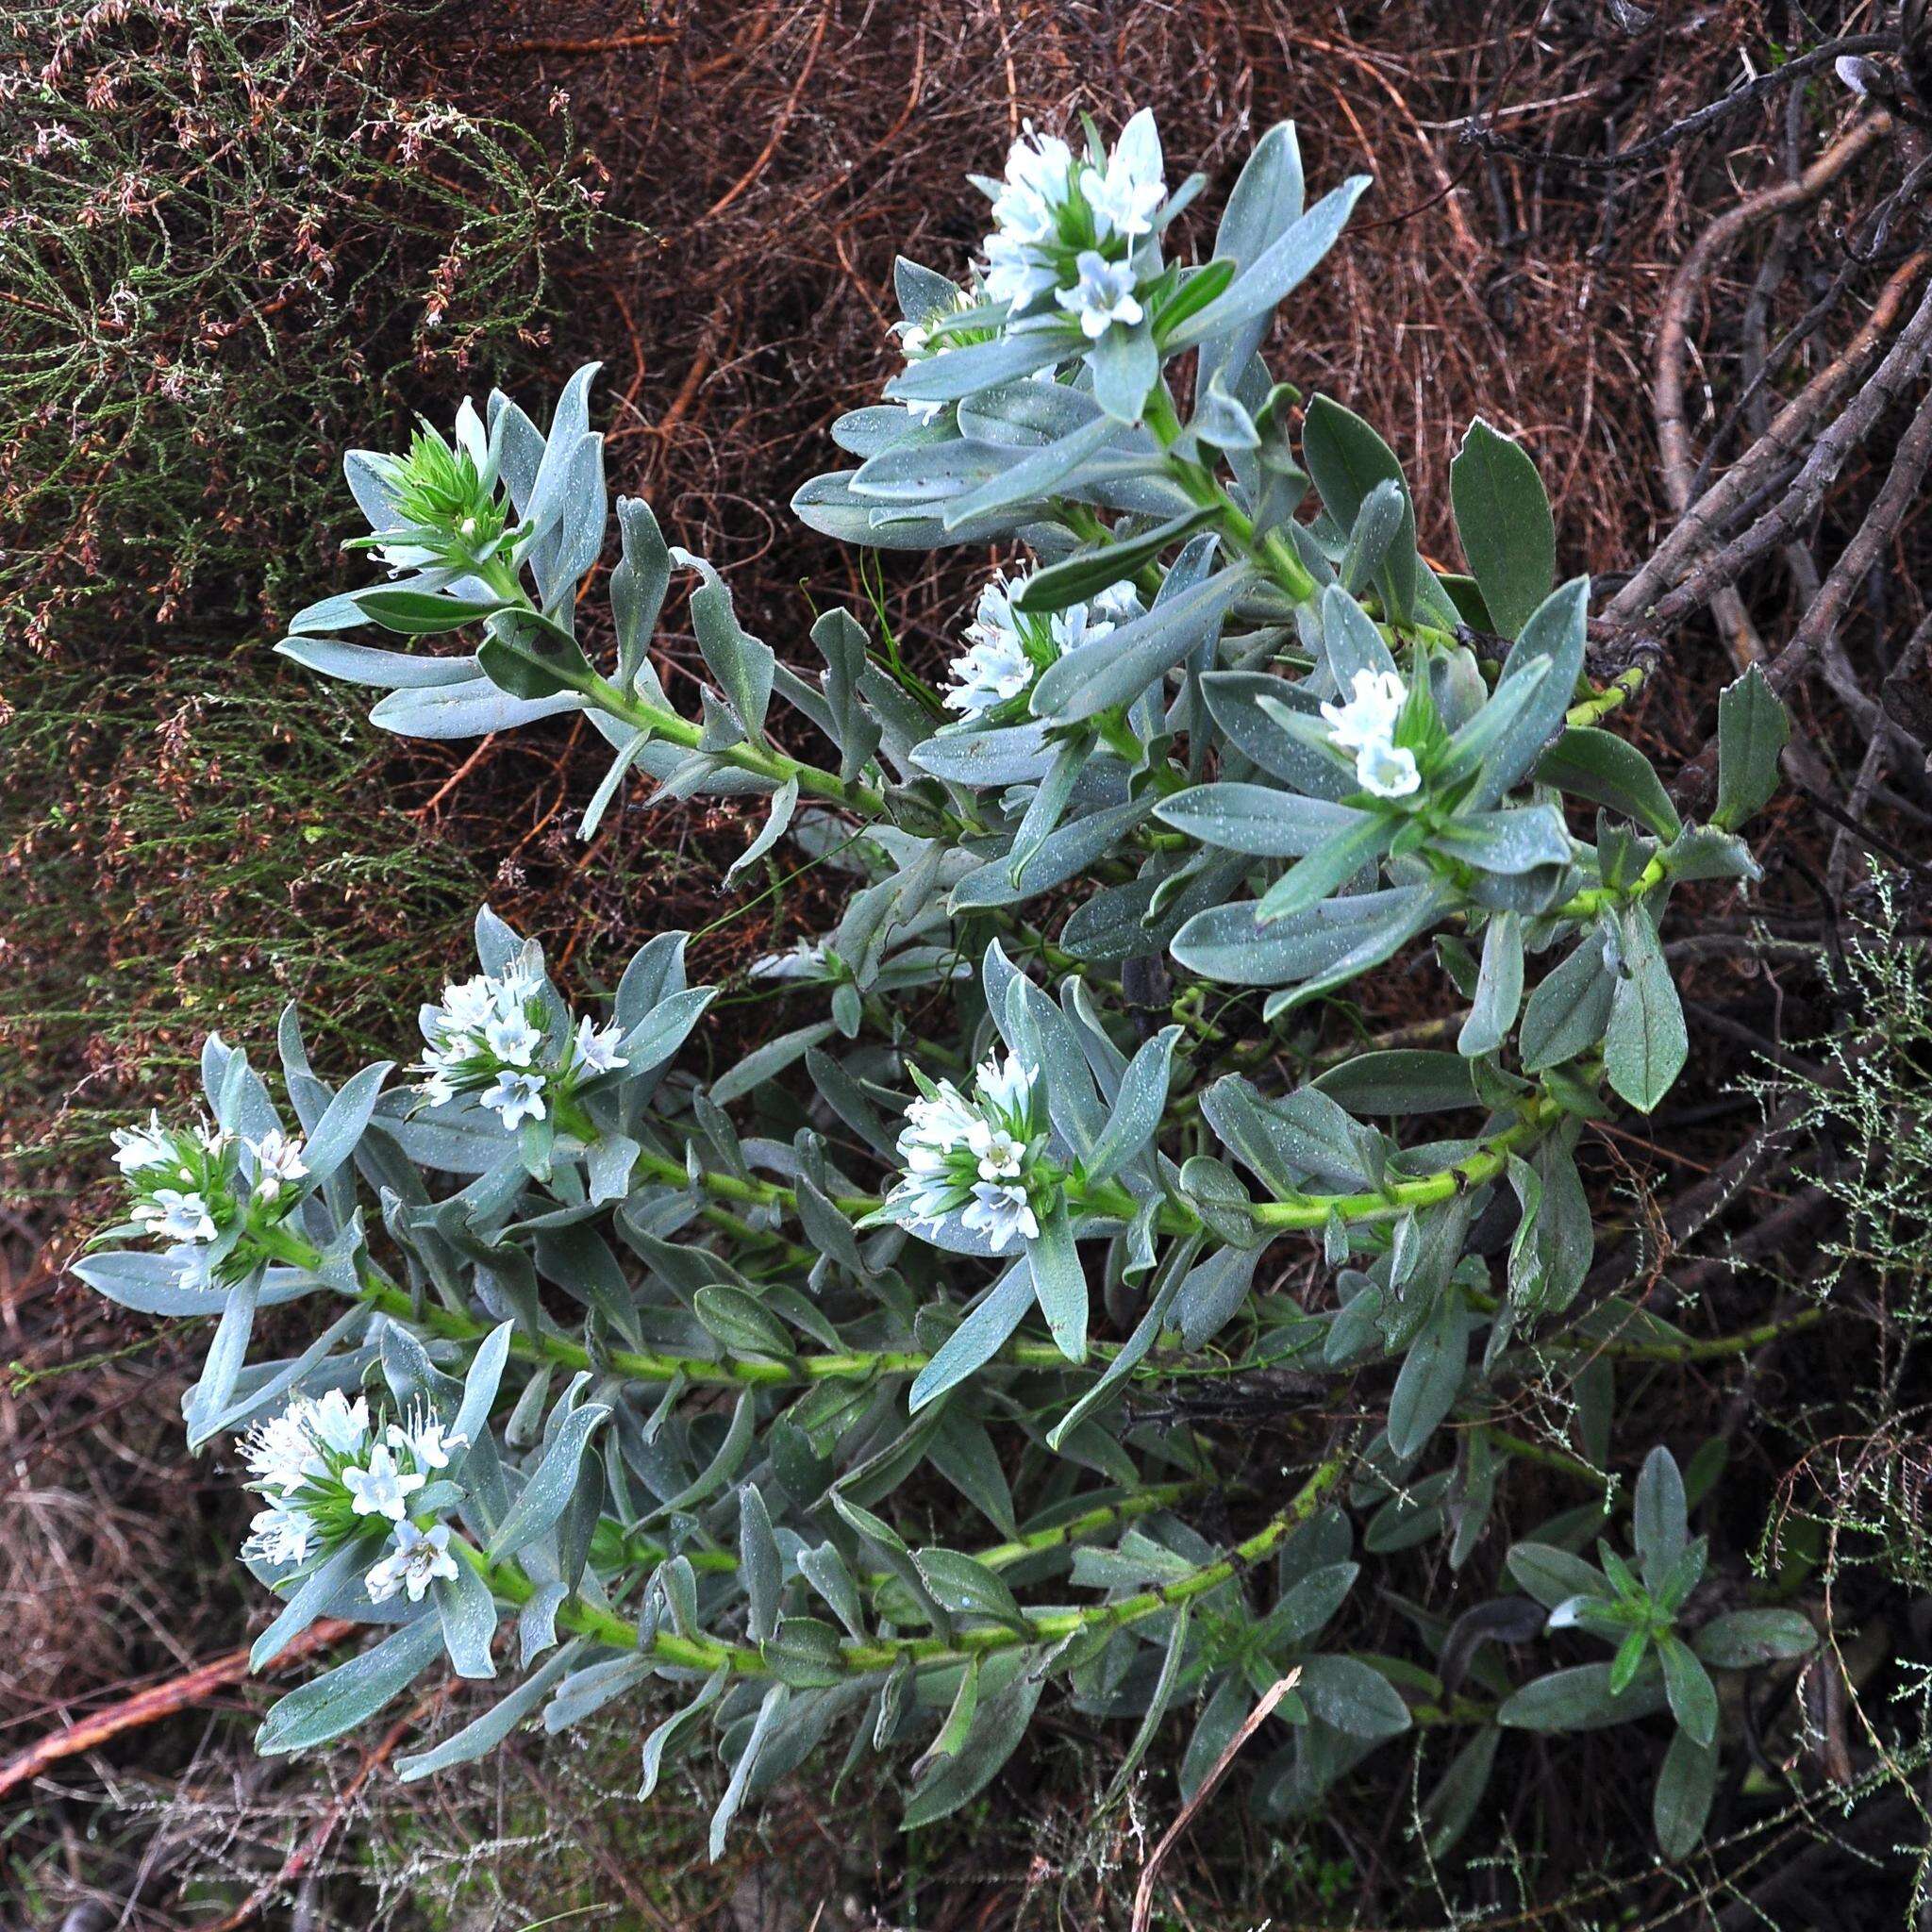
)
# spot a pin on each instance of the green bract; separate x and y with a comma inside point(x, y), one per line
point(1048, 1108)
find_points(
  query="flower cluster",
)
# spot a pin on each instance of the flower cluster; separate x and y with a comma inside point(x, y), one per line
point(1006, 648)
point(329, 1474)
point(442, 497)
point(1365, 724)
point(491, 1038)
point(980, 1157)
point(187, 1184)
point(920, 338)
point(1068, 227)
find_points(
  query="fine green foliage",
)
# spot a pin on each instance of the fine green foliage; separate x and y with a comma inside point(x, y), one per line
point(620, 1371)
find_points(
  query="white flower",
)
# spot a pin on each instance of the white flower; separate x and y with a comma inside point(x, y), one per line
point(597, 1046)
point(1370, 715)
point(1103, 295)
point(418, 1558)
point(1386, 770)
point(338, 1424)
point(512, 1038)
point(469, 1006)
point(281, 1452)
point(1007, 1089)
point(1365, 724)
point(280, 1535)
point(518, 1097)
point(424, 1440)
point(472, 437)
point(1002, 1213)
point(994, 666)
point(381, 1489)
point(996, 1152)
point(1133, 186)
point(1039, 168)
point(172, 1215)
point(136, 1148)
point(805, 960)
point(279, 1158)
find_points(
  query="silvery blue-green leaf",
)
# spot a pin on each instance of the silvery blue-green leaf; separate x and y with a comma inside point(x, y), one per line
point(611, 782)
point(1609, 769)
point(739, 663)
point(1059, 1282)
point(865, 432)
point(1262, 282)
point(1752, 732)
point(761, 1064)
point(1401, 1080)
point(975, 366)
point(1264, 202)
point(472, 708)
point(312, 1596)
point(980, 1336)
point(784, 802)
point(740, 1323)
point(1581, 1700)
point(1156, 1704)
point(1257, 819)
point(1473, 740)
point(1146, 1332)
point(468, 1616)
point(1741, 1639)
point(1498, 988)
point(1685, 1785)
point(1645, 1043)
point(987, 757)
point(1221, 421)
point(151, 1284)
point(932, 469)
point(1553, 1576)
point(658, 1744)
point(1026, 415)
point(480, 1384)
point(1517, 840)
point(967, 1588)
point(1224, 943)
point(1087, 573)
point(921, 292)
point(853, 727)
point(827, 506)
point(1234, 702)
point(365, 664)
point(1115, 669)
point(1060, 857)
point(1224, 1713)
point(1135, 1115)
point(1353, 1696)
point(202, 1404)
point(1569, 1010)
point(1687, 1683)
point(338, 1701)
point(1377, 527)
point(1450, 1809)
point(1659, 1526)
point(1347, 459)
point(1703, 852)
point(1288, 1139)
point(665, 1027)
point(998, 1725)
point(1125, 365)
point(770, 1713)
point(760, 1568)
point(343, 1121)
point(1325, 869)
point(1054, 470)
point(962, 1451)
point(546, 1495)
point(1503, 518)
point(1430, 1379)
point(637, 585)
point(1554, 631)
point(482, 1734)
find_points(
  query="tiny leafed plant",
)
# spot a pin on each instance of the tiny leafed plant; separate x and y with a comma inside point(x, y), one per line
point(623, 1373)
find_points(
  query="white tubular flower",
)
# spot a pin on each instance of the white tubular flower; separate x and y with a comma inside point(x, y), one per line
point(976, 1157)
point(338, 1424)
point(1365, 724)
point(278, 1161)
point(512, 1038)
point(468, 1008)
point(1126, 195)
point(1103, 295)
point(281, 1453)
point(417, 1558)
point(805, 960)
point(172, 1214)
point(1002, 1213)
point(991, 672)
point(280, 1535)
point(139, 1148)
point(1006, 647)
point(1386, 770)
point(424, 1441)
point(596, 1047)
point(381, 1489)
point(518, 1097)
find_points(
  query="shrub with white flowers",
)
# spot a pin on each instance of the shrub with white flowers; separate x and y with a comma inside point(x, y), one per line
point(1074, 1123)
